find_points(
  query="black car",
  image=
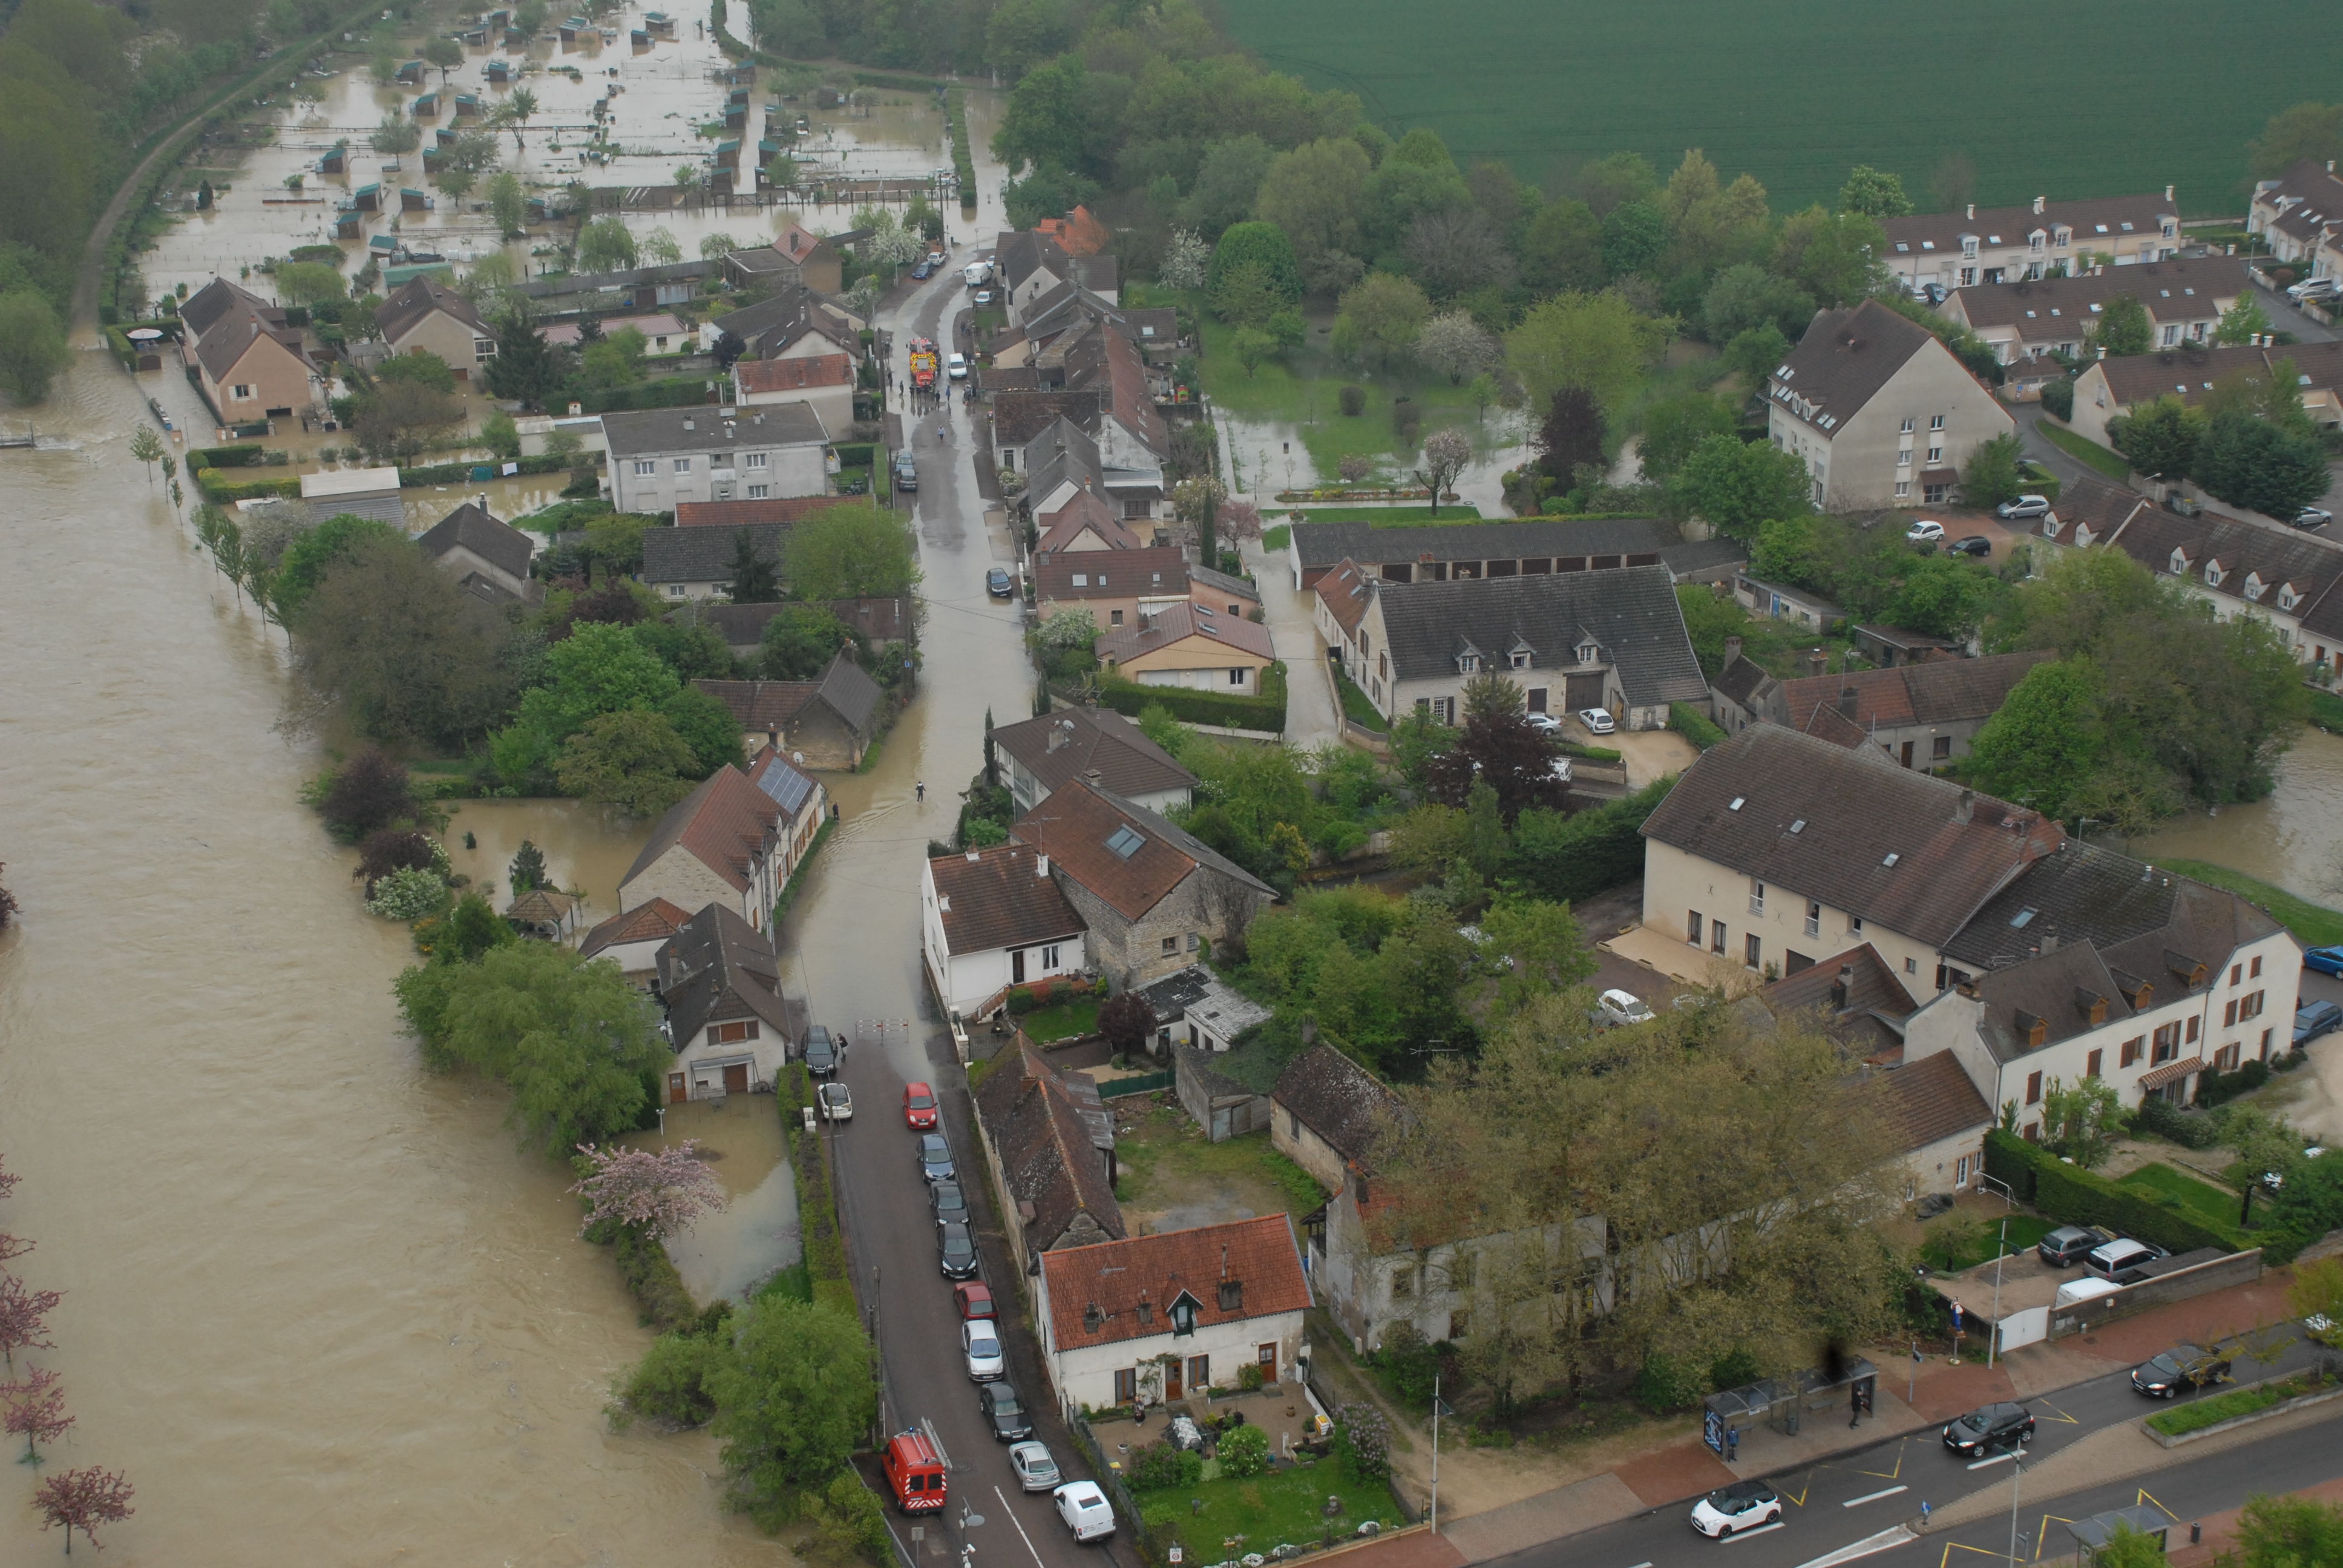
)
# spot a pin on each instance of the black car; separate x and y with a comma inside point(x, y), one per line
point(924, 271)
point(999, 584)
point(935, 1158)
point(906, 472)
point(999, 1404)
point(2318, 1017)
point(821, 1052)
point(957, 1249)
point(948, 1201)
point(1988, 1429)
point(2065, 1247)
point(1975, 544)
point(2182, 1366)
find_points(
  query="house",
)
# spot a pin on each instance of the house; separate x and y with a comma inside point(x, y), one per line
point(2297, 215)
point(1888, 646)
point(2109, 388)
point(249, 363)
point(1779, 601)
point(1116, 588)
point(1152, 896)
point(1077, 234)
point(794, 323)
point(800, 804)
point(1156, 1320)
point(1189, 646)
point(1331, 1113)
point(991, 919)
point(2011, 244)
point(1020, 416)
point(731, 1028)
point(356, 493)
point(1938, 1121)
point(1918, 714)
point(1038, 755)
point(1083, 523)
point(1051, 1164)
point(1195, 1011)
point(823, 382)
point(799, 258)
point(696, 563)
point(1611, 640)
point(490, 558)
point(631, 939)
point(772, 511)
point(1222, 592)
point(661, 458)
point(1879, 408)
point(877, 622)
point(1853, 997)
point(2185, 300)
point(1031, 264)
point(724, 842)
point(1528, 548)
point(825, 724)
point(1064, 459)
point(663, 332)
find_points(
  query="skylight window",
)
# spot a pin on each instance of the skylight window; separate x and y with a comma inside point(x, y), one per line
point(2023, 917)
point(1892, 858)
point(1126, 843)
point(1738, 801)
point(1799, 826)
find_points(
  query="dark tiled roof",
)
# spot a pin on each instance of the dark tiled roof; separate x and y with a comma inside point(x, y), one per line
point(1338, 1099)
point(1940, 691)
point(1000, 896)
point(1703, 556)
point(418, 297)
point(783, 509)
point(1632, 613)
point(1742, 679)
point(2057, 993)
point(2007, 225)
point(2081, 894)
point(219, 298)
point(2308, 198)
point(1324, 544)
point(1022, 254)
point(1112, 1291)
point(1047, 1156)
point(1857, 813)
point(1073, 827)
point(704, 429)
point(1085, 513)
point(1932, 1099)
point(743, 625)
point(762, 707)
point(499, 543)
point(1185, 622)
point(1018, 416)
point(2247, 555)
point(1871, 986)
point(2092, 502)
point(1157, 571)
point(1222, 583)
point(1094, 739)
point(1845, 357)
point(704, 554)
point(2179, 290)
point(2190, 372)
point(720, 967)
point(850, 692)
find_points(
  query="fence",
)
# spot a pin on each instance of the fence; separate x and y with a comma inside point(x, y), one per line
point(2214, 1274)
point(1143, 1083)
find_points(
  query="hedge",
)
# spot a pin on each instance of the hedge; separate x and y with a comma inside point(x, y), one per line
point(1265, 712)
point(669, 392)
point(825, 1247)
point(224, 491)
point(1568, 857)
point(651, 1274)
point(856, 453)
point(456, 473)
point(2074, 1196)
point(242, 456)
point(1693, 725)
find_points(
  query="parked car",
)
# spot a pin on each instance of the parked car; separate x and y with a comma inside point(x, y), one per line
point(1975, 544)
point(1000, 583)
point(2120, 1257)
point(982, 296)
point(2317, 1019)
point(956, 368)
point(1544, 723)
point(2064, 1247)
point(1002, 1409)
point(821, 1052)
point(1622, 1007)
point(956, 1248)
point(1987, 1428)
point(2311, 289)
point(1036, 1470)
point(2182, 1366)
point(918, 1106)
point(1743, 1505)
point(935, 1158)
point(1598, 721)
point(1925, 529)
point(947, 1200)
point(2024, 507)
point(1931, 293)
point(834, 1103)
point(907, 471)
point(924, 271)
point(1085, 1510)
point(980, 1343)
point(972, 1298)
point(2325, 960)
point(2313, 517)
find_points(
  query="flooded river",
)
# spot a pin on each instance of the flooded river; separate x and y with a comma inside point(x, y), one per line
point(2294, 839)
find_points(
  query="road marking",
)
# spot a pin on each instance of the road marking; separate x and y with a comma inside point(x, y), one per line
point(1643, 1565)
point(2057, 1414)
point(1882, 1541)
point(1746, 1534)
point(1890, 1475)
point(2002, 1458)
point(1021, 1526)
point(1873, 1496)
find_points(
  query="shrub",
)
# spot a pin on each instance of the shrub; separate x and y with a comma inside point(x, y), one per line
point(367, 793)
point(1021, 1001)
point(1244, 1452)
point(1362, 1438)
point(1566, 859)
point(1667, 1385)
point(1250, 1376)
point(2169, 1121)
point(408, 894)
point(1405, 418)
point(650, 1273)
point(670, 1384)
point(1159, 1466)
point(1408, 1363)
point(2058, 398)
point(848, 1519)
point(2213, 1088)
point(1352, 400)
point(1694, 725)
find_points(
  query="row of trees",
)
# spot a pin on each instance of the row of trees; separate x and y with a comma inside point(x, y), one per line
point(2246, 439)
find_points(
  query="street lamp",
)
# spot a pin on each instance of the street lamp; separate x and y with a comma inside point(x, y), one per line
point(1439, 1408)
point(969, 1521)
point(1993, 1333)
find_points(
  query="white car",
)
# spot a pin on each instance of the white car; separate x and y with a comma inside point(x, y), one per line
point(1623, 1007)
point(2024, 507)
point(956, 368)
point(1743, 1505)
point(837, 1105)
point(1085, 1510)
point(2313, 517)
point(1925, 531)
point(2313, 289)
point(979, 1341)
point(1597, 720)
point(983, 296)
point(1545, 723)
point(1036, 1470)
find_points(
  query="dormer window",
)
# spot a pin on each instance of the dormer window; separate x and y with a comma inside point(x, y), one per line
point(2214, 574)
point(1183, 1315)
point(1468, 663)
point(1589, 653)
point(2286, 598)
point(1521, 658)
point(2179, 564)
point(2253, 585)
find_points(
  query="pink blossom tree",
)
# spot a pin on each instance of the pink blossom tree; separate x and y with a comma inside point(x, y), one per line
point(24, 1318)
point(34, 1410)
point(662, 1193)
point(82, 1499)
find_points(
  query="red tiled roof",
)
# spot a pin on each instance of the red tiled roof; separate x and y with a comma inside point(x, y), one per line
point(776, 510)
point(1930, 1099)
point(792, 375)
point(1000, 898)
point(1159, 571)
point(721, 824)
point(1346, 594)
point(653, 921)
point(1085, 511)
point(1132, 1284)
point(1077, 234)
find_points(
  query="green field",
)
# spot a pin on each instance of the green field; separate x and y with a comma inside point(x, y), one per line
point(2045, 100)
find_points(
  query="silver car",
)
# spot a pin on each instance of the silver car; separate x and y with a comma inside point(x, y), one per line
point(1036, 1470)
point(2024, 507)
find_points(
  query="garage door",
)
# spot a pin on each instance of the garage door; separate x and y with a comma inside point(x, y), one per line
point(1584, 691)
point(736, 1078)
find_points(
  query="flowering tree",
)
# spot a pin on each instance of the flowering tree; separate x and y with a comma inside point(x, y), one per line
point(82, 1500)
point(1238, 521)
point(1184, 260)
point(23, 1315)
point(34, 1410)
point(661, 1193)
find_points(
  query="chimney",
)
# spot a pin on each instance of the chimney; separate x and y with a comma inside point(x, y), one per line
point(1972, 211)
point(2050, 942)
point(1817, 662)
point(1093, 777)
point(1966, 809)
point(1057, 736)
point(1846, 700)
point(2167, 193)
point(1041, 867)
point(2037, 206)
point(1732, 648)
point(1839, 988)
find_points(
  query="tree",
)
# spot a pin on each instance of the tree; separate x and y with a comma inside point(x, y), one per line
point(393, 645)
point(1674, 426)
point(408, 894)
point(604, 245)
point(1571, 435)
point(851, 552)
point(1446, 455)
point(146, 446)
point(2158, 438)
point(33, 348)
point(1563, 249)
point(34, 1410)
point(9, 910)
point(632, 759)
point(1874, 193)
point(1385, 315)
point(519, 106)
point(1835, 257)
point(794, 1400)
point(1194, 500)
point(1226, 183)
point(1185, 260)
point(1595, 341)
point(1736, 486)
point(2290, 1531)
point(1635, 233)
point(1252, 346)
point(1127, 1020)
point(660, 1193)
point(2124, 327)
point(1755, 353)
point(524, 367)
point(1454, 344)
point(1991, 477)
point(596, 669)
point(509, 204)
point(2045, 742)
point(1314, 194)
point(396, 137)
point(1746, 296)
point(398, 419)
point(24, 1318)
point(1499, 747)
point(305, 283)
point(710, 729)
point(527, 872)
point(446, 54)
point(2082, 1123)
point(388, 849)
point(800, 642)
point(2242, 322)
point(661, 249)
point(82, 1499)
point(2259, 465)
point(420, 368)
point(368, 793)
point(615, 359)
point(1453, 250)
point(2313, 131)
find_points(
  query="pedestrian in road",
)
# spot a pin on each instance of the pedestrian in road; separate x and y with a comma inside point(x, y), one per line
point(921, 786)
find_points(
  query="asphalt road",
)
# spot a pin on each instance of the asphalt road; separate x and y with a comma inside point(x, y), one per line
point(1834, 1504)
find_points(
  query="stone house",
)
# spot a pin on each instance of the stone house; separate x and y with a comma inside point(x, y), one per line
point(632, 938)
point(1330, 1112)
point(825, 724)
point(1918, 714)
point(723, 843)
point(1038, 755)
point(731, 1027)
point(1051, 1156)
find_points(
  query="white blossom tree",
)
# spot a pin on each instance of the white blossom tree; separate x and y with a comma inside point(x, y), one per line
point(662, 1193)
point(1185, 260)
point(1454, 344)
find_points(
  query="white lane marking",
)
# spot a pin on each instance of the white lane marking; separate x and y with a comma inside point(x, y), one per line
point(1873, 1496)
point(1896, 1536)
point(1643, 1565)
point(1996, 1459)
point(1746, 1534)
point(1021, 1526)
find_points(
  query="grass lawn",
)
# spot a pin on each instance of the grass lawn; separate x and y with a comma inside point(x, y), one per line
point(1164, 1159)
point(2327, 710)
point(2199, 1198)
point(1355, 706)
point(2199, 1413)
point(2317, 925)
point(1276, 538)
point(1062, 1021)
point(2112, 463)
point(1276, 1508)
point(2025, 1229)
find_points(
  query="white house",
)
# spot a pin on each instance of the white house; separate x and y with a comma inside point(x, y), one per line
point(991, 919)
point(632, 938)
point(2009, 244)
point(1166, 1317)
point(660, 457)
point(2298, 213)
point(731, 1029)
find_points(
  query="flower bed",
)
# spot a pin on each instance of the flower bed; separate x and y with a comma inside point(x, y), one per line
point(1340, 493)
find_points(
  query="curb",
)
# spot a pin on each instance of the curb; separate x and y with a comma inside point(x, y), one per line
point(2269, 1413)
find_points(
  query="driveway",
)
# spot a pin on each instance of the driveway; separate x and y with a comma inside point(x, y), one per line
point(1312, 712)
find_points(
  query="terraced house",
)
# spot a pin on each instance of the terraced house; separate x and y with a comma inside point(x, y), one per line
point(2010, 244)
point(2184, 298)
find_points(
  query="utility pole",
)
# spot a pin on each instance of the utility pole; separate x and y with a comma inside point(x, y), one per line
point(1992, 1335)
point(1437, 1407)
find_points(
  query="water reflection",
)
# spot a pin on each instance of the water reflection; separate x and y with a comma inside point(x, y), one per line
point(586, 849)
point(726, 1254)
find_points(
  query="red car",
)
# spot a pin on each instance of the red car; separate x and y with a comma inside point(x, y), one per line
point(918, 1108)
point(972, 1298)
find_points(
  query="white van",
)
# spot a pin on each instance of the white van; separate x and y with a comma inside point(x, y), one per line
point(977, 274)
point(1085, 1510)
point(2117, 1257)
point(2074, 1291)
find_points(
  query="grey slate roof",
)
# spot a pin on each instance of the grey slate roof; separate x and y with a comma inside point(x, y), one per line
point(2190, 373)
point(1328, 544)
point(1845, 357)
point(1127, 762)
point(1018, 416)
point(850, 692)
point(2007, 225)
point(703, 429)
point(1632, 613)
point(1712, 555)
point(2179, 290)
point(470, 526)
point(418, 297)
point(705, 554)
point(1222, 583)
point(720, 967)
point(1338, 1099)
